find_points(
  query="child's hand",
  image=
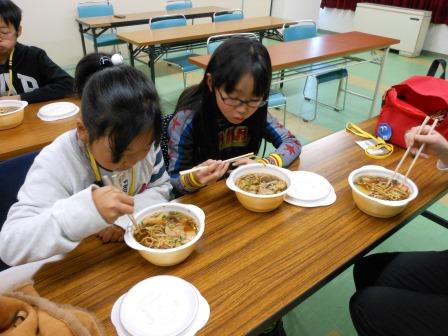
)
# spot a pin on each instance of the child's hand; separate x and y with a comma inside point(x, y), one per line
point(112, 233)
point(214, 171)
point(435, 143)
point(112, 203)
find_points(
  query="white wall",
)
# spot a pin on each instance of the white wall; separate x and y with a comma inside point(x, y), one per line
point(342, 21)
point(51, 25)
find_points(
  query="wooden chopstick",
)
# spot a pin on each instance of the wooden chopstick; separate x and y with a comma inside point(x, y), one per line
point(408, 150)
point(195, 169)
point(433, 126)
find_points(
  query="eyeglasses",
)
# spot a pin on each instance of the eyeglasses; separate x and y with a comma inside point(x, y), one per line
point(235, 102)
point(4, 35)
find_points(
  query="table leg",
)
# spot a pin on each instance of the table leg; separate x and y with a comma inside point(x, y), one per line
point(95, 46)
point(83, 42)
point(131, 54)
point(151, 63)
point(378, 81)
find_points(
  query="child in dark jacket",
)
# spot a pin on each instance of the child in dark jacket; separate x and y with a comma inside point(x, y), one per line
point(27, 73)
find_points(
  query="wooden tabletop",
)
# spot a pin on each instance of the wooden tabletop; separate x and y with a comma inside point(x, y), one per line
point(34, 133)
point(290, 54)
point(250, 266)
point(140, 18)
point(200, 31)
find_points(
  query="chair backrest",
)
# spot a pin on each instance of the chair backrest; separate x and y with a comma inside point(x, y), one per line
point(91, 9)
point(166, 21)
point(12, 176)
point(215, 41)
point(228, 15)
point(299, 31)
point(178, 4)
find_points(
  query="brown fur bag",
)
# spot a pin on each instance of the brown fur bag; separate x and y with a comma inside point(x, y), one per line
point(24, 313)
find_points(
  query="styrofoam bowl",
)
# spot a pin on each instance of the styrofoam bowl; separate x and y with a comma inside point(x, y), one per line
point(255, 202)
point(171, 256)
point(374, 206)
point(13, 118)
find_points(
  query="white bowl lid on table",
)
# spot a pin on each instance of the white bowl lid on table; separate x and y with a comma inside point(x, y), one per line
point(58, 110)
point(160, 306)
point(309, 189)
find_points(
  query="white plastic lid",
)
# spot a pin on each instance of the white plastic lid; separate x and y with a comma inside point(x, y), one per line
point(308, 186)
point(159, 306)
point(59, 110)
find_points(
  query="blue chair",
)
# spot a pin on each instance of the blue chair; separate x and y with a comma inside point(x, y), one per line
point(228, 15)
point(178, 4)
point(93, 9)
point(307, 29)
point(179, 60)
point(12, 176)
point(276, 99)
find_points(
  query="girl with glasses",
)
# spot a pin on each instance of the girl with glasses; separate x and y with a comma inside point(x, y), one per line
point(226, 115)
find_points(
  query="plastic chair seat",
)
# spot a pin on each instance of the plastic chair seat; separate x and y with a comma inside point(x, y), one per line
point(183, 62)
point(276, 99)
point(106, 39)
point(332, 75)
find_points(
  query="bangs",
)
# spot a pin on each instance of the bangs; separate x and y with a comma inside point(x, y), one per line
point(242, 56)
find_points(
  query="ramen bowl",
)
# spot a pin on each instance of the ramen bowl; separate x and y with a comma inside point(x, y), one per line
point(13, 115)
point(378, 207)
point(167, 256)
point(257, 202)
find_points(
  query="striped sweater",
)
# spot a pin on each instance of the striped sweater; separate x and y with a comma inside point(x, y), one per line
point(55, 209)
point(232, 141)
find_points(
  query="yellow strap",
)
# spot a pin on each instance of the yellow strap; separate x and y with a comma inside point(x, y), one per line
point(10, 72)
point(97, 174)
point(380, 143)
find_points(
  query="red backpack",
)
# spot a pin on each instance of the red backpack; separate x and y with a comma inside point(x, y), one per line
point(406, 105)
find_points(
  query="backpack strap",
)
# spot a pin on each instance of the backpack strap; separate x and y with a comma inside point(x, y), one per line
point(435, 65)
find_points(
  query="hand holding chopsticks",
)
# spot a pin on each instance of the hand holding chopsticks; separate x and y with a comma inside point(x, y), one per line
point(408, 150)
point(110, 182)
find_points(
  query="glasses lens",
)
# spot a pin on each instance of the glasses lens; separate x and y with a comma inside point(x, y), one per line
point(257, 103)
point(231, 102)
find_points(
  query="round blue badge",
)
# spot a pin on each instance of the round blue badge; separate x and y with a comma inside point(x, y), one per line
point(384, 131)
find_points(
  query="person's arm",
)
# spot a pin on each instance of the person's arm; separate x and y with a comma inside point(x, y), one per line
point(287, 146)
point(180, 149)
point(50, 217)
point(54, 82)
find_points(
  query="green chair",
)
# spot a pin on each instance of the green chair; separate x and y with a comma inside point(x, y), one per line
point(93, 9)
point(307, 29)
point(180, 60)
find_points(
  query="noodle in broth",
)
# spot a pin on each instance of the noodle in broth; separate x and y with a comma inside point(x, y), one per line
point(261, 184)
point(376, 186)
point(167, 229)
point(6, 109)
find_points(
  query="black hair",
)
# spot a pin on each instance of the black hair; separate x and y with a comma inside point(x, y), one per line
point(86, 67)
point(234, 58)
point(10, 13)
point(120, 102)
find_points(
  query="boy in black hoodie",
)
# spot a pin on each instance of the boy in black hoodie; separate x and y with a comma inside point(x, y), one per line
point(27, 73)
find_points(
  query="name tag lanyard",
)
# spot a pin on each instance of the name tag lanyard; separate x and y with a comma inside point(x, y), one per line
point(380, 144)
point(10, 72)
point(97, 174)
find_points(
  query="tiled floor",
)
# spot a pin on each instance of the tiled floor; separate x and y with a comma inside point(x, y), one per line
point(326, 312)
